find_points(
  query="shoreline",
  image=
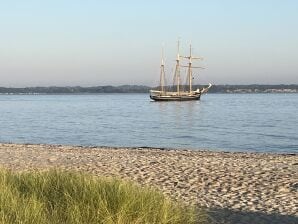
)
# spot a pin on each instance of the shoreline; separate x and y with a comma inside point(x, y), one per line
point(194, 149)
point(241, 181)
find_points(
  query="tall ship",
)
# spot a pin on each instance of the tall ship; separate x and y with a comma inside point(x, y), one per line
point(179, 92)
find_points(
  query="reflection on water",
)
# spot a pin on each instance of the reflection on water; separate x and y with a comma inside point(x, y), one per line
point(179, 111)
point(237, 122)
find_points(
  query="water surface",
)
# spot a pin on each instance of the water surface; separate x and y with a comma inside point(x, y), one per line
point(233, 122)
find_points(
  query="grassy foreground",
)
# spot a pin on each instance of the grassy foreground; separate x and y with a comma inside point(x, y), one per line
point(67, 197)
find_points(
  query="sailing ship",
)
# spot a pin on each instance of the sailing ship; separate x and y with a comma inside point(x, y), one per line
point(179, 94)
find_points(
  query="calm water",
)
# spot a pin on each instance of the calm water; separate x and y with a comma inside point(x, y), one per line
point(234, 122)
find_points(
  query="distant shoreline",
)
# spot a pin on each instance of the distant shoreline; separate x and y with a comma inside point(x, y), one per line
point(82, 94)
point(77, 90)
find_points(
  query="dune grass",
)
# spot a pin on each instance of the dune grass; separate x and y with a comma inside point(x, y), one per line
point(67, 197)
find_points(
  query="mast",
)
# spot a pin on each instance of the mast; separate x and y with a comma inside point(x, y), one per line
point(162, 73)
point(189, 66)
point(189, 70)
point(177, 69)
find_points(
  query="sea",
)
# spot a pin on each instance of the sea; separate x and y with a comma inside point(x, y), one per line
point(219, 122)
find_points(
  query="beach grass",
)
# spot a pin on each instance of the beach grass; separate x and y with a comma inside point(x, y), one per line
point(57, 196)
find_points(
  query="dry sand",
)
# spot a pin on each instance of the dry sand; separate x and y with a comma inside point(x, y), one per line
point(252, 182)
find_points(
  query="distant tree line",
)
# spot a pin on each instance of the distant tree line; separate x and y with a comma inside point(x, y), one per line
point(251, 88)
point(77, 89)
point(145, 89)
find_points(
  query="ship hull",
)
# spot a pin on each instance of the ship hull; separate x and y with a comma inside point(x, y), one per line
point(175, 98)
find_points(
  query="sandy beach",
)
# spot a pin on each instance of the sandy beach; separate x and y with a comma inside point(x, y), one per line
point(245, 182)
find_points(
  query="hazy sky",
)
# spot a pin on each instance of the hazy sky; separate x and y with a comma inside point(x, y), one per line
point(93, 42)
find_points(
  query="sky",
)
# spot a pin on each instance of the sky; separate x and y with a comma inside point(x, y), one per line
point(94, 42)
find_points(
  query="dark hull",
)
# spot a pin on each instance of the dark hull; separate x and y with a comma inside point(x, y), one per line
point(175, 98)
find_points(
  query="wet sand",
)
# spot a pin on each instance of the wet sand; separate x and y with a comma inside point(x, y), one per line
point(243, 182)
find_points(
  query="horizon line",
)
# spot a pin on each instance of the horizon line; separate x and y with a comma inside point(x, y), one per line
point(72, 86)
